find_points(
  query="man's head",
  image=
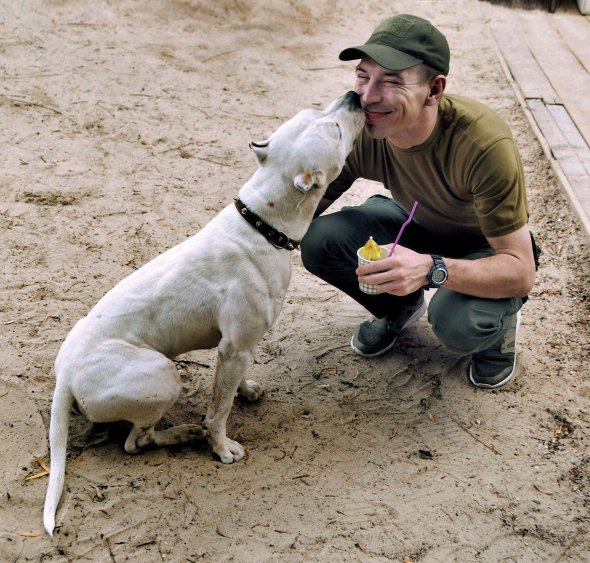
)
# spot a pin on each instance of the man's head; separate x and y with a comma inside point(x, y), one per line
point(401, 78)
point(404, 41)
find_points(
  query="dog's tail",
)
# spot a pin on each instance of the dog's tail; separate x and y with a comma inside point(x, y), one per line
point(58, 439)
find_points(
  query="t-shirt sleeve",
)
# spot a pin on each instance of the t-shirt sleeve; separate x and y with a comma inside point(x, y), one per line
point(497, 184)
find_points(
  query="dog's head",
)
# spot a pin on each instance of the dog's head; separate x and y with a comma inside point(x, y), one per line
point(309, 150)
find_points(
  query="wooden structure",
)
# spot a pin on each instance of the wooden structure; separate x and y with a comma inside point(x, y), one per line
point(547, 59)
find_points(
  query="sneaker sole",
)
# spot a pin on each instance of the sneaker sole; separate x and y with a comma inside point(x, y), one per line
point(417, 314)
point(506, 380)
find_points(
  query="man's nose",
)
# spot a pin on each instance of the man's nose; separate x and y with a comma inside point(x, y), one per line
point(369, 93)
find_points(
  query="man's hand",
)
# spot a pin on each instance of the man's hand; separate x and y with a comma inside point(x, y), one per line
point(510, 272)
point(400, 274)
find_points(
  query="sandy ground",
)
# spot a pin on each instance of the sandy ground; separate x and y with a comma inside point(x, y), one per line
point(125, 128)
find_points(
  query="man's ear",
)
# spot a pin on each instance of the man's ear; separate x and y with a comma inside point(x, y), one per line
point(437, 89)
point(260, 149)
point(309, 179)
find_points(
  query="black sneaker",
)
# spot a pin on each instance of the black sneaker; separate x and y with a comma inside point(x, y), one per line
point(495, 367)
point(376, 336)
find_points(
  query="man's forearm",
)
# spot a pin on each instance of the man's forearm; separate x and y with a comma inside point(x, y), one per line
point(494, 277)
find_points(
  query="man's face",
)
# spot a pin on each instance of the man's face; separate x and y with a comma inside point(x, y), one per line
point(393, 100)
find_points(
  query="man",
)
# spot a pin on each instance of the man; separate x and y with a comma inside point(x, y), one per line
point(468, 238)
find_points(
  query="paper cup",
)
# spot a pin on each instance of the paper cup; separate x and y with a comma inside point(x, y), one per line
point(366, 288)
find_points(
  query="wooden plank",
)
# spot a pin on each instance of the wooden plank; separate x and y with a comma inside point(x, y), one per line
point(572, 134)
point(552, 135)
point(556, 132)
point(574, 29)
point(564, 71)
point(555, 138)
point(581, 189)
point(522, 65)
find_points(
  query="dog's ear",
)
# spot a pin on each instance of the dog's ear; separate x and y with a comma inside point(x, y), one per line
point(260, 149)
point(309, 179)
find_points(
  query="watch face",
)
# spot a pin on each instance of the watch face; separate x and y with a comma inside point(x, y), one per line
point(439, 276)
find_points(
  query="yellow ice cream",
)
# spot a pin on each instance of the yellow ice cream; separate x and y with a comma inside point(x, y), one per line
point(371, 251)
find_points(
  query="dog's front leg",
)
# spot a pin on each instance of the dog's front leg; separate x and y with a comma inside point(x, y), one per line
point(231, 366)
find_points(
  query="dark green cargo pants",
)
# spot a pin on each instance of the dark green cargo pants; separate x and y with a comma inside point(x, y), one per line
point(464, 323)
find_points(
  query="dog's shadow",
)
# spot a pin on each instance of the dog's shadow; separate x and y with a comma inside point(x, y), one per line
point(85, 435)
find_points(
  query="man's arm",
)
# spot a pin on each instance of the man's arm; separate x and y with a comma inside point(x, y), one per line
point(510, 272)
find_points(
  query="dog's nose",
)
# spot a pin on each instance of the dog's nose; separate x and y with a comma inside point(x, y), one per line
point(352, 99)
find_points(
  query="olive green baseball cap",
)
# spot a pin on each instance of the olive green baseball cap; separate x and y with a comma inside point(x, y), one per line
point(404, 41)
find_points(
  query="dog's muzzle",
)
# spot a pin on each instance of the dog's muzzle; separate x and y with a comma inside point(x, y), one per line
point(352, 99)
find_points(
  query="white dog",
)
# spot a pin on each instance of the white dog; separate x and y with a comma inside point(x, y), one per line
point(222, 287)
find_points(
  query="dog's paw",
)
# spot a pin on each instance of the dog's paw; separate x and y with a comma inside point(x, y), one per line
point(250, 390)
point(231, 452)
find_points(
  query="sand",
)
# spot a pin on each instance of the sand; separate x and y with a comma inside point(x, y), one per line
point(125, 128)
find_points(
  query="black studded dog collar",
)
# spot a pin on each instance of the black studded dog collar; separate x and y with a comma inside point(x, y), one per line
point(276, 238)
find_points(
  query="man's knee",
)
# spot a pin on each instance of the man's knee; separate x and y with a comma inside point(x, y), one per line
point(468, 324)
point(325, 249)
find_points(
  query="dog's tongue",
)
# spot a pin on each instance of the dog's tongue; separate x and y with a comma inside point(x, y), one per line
point(371, 250)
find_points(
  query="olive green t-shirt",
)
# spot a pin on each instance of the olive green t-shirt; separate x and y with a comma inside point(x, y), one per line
point(467, 177)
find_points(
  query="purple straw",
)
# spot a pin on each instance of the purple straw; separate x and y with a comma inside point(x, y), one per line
point(403, 227)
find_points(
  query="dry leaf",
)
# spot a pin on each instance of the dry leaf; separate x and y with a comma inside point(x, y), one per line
point(541, 490)
point(42, 463)
point(37, 475)
point(361, 546)
point(431, 418)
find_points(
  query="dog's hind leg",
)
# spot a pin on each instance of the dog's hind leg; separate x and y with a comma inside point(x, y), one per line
point(154, 393)
point(141, 437)
point(140, 386)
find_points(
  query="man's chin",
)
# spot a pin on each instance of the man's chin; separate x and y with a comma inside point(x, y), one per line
point(375, 132)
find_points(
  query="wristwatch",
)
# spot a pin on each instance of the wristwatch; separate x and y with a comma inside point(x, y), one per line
point(438, 273)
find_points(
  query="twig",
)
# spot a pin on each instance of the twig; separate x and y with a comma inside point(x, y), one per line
point(213, 161)
point(27, 103)
point(491, 448)
point(174, 148)
point(330, 350)
point(218, 55)
point(198, 109)
point(570, 543)
point(107, 541)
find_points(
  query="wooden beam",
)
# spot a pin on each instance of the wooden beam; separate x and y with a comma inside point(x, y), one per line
point(522, 65)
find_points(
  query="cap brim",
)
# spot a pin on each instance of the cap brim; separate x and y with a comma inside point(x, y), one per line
point(383, 55)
